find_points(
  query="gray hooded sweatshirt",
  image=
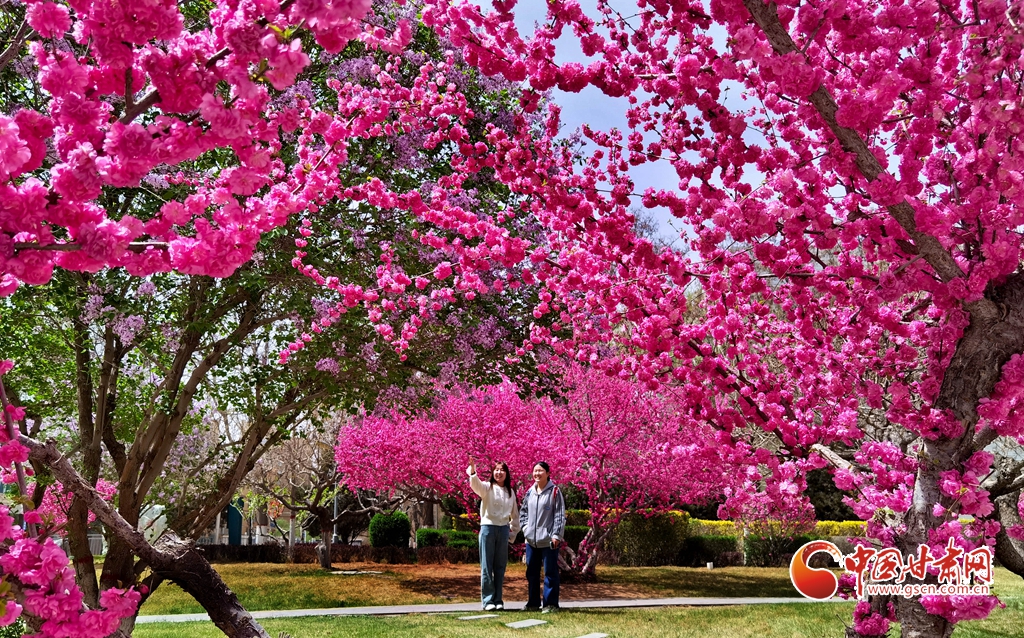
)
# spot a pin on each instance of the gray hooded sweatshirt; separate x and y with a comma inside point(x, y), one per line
point(542, 516)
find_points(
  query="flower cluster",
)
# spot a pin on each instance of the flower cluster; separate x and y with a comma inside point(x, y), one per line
point(867, 622)
point(959, 608)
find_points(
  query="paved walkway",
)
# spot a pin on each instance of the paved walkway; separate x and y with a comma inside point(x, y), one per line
point(470, 607)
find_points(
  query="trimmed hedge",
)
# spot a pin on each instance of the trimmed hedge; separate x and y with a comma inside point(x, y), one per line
point(442, 555)
point(456, 536)
point(306, 553)
point(427, 537)
point(700, 527)
point(576, 518)
point(773, 551)
point(389, 530)
point(641, 540)
point(244, 553)
point(841, 528)
point(698, 551)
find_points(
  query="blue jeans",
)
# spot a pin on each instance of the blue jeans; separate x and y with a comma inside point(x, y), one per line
point(535, 556)
point(493, 559)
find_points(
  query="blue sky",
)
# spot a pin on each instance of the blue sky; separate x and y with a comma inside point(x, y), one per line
point(593, 107)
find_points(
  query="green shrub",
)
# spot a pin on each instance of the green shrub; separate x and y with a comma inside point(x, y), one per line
point(574, 535)
point(700, 527)
point(426, 537)
point(577, 517)
point(575, 498)
point(460, 539)
point(442, 555)
point(642, 541)
point(463, 524)
point(14, 630)
point(456, 536)
point(773, 551)
point(840, 528)
point(389, 530)
point(698, 551)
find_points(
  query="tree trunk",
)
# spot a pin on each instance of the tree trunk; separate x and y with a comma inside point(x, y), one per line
point(291, 537)
point(577, 567)
point(323, 548)
point(172, 558)
point(915, 622)
point(994, 334)
point(193, 573)
point(82, 558)
point(1009, 552)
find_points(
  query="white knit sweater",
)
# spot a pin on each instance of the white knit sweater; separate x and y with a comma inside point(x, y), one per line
point(497, 507)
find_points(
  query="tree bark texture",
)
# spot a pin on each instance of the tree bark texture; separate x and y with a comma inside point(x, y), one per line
point(1009, 551)
point(173, 558)
point(323, 548)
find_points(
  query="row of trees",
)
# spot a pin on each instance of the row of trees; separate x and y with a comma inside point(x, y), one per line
point(623, 447)
point(850, 295)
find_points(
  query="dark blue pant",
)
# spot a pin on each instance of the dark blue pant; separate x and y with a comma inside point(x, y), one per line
point(535, 556)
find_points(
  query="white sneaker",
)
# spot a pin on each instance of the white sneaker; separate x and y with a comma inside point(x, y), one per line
point(490, 607)
point(499, 607)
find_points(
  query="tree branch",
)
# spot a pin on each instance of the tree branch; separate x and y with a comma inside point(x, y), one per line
point(928, 246)
point(12, 51)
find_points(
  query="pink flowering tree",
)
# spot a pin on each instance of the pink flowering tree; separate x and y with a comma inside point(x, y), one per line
point(625, 448)
point(39, 579)
point(848, 173)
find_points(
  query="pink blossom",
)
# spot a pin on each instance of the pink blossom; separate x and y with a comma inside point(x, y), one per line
point(959, 608)
point(12, 452)
point(12, 611)
point(49, 19)
point(286, 62)
point(14, 153)
point(443, 270)
point(868, 623)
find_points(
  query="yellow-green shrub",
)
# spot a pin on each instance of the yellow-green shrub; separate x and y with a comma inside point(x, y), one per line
point(840, 528)
point(700, 527)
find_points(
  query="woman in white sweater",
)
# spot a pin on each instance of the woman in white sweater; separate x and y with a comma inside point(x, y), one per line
point(499, 524)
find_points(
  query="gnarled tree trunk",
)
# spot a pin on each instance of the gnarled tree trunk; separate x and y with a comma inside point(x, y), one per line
point(172, 558)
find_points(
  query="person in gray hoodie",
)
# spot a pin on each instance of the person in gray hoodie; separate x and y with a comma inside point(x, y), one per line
point(542, 519)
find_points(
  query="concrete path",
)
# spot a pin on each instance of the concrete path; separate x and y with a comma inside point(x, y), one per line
point(464, 607)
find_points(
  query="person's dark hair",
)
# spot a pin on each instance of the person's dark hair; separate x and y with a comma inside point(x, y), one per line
point(543, 465)
point(508, 477)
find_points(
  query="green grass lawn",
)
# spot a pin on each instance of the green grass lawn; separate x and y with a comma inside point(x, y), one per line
point(732, 582)
point(767, 621)
point(261, 586)
point(805, 620)
point(299, 586)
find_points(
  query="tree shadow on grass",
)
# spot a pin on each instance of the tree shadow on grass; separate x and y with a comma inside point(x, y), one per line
point(731, 582)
